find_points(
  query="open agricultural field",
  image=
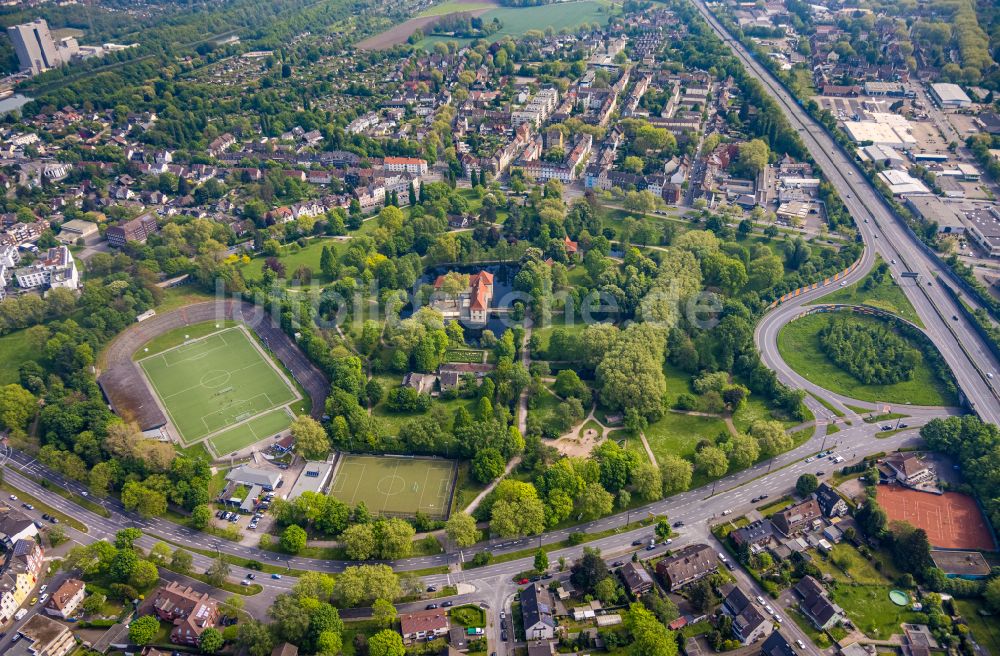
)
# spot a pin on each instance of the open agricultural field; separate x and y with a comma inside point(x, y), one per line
point(518, 20)
point(453, 6)
point(218, 381)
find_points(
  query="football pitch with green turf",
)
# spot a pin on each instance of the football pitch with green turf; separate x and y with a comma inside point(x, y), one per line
point(221, 385)
point(395, 486)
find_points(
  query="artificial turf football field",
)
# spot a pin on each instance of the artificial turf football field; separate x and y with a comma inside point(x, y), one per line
point(394, 485)
point(216, 382)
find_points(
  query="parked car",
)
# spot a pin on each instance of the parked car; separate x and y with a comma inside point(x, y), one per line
point(820, 473)
point(46, 516)
point(503, 636)
point(431, 588)
point(54, 520)
point(28, 506)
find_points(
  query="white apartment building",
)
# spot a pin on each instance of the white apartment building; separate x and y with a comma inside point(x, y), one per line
point(55, 268)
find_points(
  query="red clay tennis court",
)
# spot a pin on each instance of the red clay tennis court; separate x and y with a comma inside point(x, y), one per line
point(952, 520)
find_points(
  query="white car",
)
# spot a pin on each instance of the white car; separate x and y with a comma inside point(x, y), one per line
point(43, 598)
point(43, 588)
point(770, 611)
point(800, 645)
point(760, 600)
point(13, 497)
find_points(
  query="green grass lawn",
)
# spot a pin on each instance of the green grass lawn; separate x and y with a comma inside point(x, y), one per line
point(799, 346)
point(544, 334)
point(590, 424)
point(353, 628)
point(544, 405)
point(818, 637)
point(15, 350)
point(468, 616)
point(175, 297)
point(194, 451)
point(466, 489)
point(986, 630)
point(859, 571)
point(755, 409)
point(393, 421)
point(308, 256)
point(869, 608)
point(678, 434)
point(678, 382)
point(887, 296)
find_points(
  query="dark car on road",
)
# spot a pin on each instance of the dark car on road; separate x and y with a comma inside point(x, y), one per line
point(430, 607)
point(678, 524)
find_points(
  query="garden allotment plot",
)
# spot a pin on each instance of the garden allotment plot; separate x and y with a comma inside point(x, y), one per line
point(395, 486)
point(222, 384)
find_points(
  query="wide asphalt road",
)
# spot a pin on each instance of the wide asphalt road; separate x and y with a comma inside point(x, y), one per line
point(963, 349)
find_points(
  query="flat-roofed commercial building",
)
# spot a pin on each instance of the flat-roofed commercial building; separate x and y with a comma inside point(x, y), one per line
point(984, 228)
point(950, 95)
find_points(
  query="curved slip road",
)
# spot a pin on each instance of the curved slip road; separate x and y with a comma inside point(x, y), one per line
point(963, 349)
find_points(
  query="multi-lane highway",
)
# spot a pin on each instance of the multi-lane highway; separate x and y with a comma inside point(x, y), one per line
point(963, 349)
